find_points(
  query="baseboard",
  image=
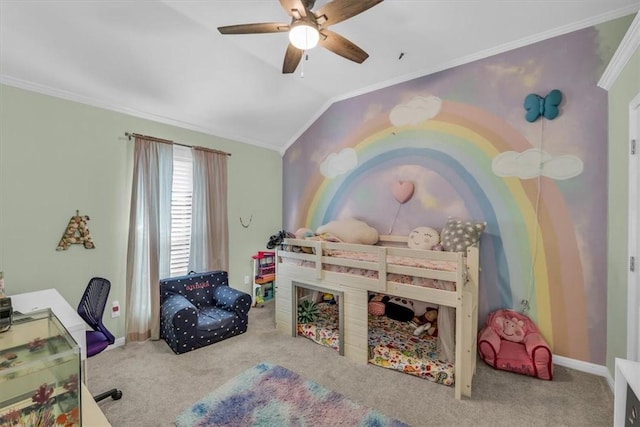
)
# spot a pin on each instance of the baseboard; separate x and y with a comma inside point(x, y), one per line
point(579, 365)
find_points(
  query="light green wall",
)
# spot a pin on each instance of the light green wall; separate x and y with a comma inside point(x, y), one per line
point(626, 87)
point(57, 156)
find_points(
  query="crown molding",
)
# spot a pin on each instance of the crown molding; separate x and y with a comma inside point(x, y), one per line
point(626, 49)
point(579, 25)
point(74, 97)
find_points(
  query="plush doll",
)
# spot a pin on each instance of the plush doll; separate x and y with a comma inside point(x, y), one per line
point(398, 308)
point(425, 238)
point(429, 324)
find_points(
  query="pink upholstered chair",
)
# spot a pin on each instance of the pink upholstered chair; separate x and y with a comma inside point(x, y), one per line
point(510, 341)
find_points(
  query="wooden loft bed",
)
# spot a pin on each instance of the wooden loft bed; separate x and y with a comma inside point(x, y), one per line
point(330, 266)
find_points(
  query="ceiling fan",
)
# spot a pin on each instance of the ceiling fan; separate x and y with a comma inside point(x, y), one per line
point(309, 28)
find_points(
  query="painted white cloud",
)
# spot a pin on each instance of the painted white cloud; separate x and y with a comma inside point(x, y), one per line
point(526, 165)
point(337, 164)
point(417, 110)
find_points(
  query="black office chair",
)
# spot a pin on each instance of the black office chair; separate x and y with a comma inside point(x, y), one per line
point(91, 309)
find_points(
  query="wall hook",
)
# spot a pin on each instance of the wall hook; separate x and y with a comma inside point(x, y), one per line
point(248, 223)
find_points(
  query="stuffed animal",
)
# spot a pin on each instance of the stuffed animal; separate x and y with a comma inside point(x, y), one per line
point(398, 308)
point(510, 329)
point(429, 323)
point(425, 238)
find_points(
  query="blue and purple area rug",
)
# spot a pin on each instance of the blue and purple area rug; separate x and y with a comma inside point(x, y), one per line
point(270, 395)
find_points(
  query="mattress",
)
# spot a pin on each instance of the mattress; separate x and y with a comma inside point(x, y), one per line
point(391, 345)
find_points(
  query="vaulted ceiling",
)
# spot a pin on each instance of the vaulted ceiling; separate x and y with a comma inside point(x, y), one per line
point(166, 60)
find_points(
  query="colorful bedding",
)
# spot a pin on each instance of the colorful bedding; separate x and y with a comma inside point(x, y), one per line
point(392, 345)
point(324, 330)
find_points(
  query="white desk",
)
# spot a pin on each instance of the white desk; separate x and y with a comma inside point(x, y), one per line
point(91, 414)
point(51, 298)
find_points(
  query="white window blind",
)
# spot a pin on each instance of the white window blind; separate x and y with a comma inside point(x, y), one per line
point(181, 194)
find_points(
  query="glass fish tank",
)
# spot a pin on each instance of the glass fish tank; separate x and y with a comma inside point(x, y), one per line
point(39, 373)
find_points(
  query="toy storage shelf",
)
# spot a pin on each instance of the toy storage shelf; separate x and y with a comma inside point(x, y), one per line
point(264, 276)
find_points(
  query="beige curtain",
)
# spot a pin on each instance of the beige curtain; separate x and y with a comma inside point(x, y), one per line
point(149, 246)
point(209, 248)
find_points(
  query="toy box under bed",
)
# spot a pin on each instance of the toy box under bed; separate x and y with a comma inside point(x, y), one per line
point(391, 344)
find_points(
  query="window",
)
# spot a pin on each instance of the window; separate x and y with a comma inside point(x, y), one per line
point(181, 196)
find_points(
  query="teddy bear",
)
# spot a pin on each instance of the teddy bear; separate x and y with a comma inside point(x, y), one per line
point(428, 323)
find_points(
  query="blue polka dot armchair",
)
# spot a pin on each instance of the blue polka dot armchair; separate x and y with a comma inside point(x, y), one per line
point(200, 309)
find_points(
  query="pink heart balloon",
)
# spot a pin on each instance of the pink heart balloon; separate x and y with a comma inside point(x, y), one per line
point(402, 191)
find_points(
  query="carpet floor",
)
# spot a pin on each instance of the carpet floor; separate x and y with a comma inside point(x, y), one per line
point(158, 385)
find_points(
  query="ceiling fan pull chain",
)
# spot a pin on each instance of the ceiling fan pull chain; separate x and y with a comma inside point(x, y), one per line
point(302, 70)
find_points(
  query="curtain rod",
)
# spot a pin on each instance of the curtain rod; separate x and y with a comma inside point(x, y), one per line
point(168, 141)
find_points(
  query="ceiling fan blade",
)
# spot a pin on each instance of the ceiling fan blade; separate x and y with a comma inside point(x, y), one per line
point(341, 46)
point(290, 6)
point(291, 59)
point(339, 10)
point(264, 27)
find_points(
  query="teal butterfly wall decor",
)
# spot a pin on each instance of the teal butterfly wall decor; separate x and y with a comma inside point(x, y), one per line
point(546, 107)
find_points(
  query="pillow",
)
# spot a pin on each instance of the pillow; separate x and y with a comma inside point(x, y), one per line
point(376, 307)
point(351, 230)
point(458, 234)
point(423, 238)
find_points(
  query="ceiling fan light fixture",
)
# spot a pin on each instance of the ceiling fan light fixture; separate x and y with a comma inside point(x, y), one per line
point(304, 36)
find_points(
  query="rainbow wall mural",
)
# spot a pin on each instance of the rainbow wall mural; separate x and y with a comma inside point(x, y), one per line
point(544, 240)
